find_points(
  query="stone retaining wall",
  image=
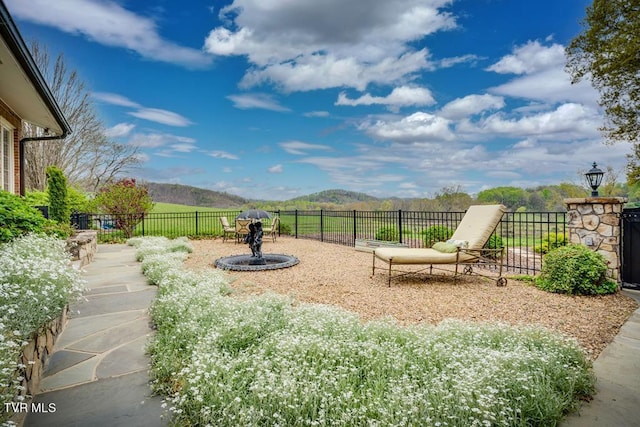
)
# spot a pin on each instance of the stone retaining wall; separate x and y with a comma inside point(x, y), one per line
point(83, 247)
point(595, 223)
point(35, 354)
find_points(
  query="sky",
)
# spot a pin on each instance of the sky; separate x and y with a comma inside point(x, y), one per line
point(274, 99)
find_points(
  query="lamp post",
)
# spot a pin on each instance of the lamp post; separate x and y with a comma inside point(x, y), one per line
point(594, 178)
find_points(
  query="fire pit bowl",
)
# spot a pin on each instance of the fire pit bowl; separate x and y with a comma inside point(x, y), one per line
point(251, 263)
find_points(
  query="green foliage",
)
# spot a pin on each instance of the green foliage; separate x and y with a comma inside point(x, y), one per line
point(511, 197)
point(37, 198)
point(606, 53)
point(388, 234)
point(551, 241)
point(57, 190)
point(575, 270)
point(436, 233)
point(494, 242)
point(286, 229)
point(18, 218)
point(127, 202)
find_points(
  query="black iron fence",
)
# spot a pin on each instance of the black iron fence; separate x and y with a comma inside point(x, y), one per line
point(526, 236)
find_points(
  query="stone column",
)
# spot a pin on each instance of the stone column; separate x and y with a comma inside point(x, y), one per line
point(595, 223)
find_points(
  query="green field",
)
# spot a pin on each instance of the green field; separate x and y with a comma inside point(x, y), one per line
point(159, 207)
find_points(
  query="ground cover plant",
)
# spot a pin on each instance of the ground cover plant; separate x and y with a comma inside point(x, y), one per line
point(36, 282)
point(269, 360)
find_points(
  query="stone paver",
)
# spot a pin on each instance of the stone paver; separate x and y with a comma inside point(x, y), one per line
point(98, 372)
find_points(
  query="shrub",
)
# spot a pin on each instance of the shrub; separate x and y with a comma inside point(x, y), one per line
point(388, 234)
point(575, 270)
point(127, 202)
point(57, 190)
point(18, 218)
point(551, 241)
point(286, 229)
point(494, 242)
point(436, 233)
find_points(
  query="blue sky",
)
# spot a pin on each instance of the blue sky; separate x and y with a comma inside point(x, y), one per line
point(273, 99)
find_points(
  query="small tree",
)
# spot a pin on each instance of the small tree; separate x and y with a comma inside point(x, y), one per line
point(57, 190)
point(127, 202)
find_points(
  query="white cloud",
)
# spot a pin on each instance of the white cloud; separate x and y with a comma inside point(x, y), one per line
point(155, 140)
point(219, 154)
point(530, 58)
point(301, 148)
point(316, 114)
point(469, 105)
point(542, 76)
point(119, 130)
point(275, 169)
point(403, 96)
point(418, 127)
point(108, 23)
point(115, 99)
point(161, 116)
point(550, 86)
point(568, 121)
point(157, 115)
point(256, 100)
point(305, 44)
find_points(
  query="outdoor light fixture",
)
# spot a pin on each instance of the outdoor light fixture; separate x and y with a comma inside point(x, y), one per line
point(594, 177)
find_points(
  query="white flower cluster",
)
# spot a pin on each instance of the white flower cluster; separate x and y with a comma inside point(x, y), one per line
point(268, 361)
point(37, 280)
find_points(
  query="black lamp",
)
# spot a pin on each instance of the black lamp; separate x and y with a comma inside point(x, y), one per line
point(594, 177)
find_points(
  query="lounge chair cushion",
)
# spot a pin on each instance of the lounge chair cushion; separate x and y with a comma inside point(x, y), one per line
point(476, 227)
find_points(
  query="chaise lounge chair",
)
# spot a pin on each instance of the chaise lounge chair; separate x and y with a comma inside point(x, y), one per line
point(465, 247)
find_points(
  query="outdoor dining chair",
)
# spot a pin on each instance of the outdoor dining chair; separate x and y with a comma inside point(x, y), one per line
point(272, 229)
point(242, 228)
point(227, 229)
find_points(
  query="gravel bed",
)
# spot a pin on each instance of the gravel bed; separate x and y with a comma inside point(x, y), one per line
point(341, 276)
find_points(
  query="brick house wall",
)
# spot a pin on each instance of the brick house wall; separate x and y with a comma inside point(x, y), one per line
point(7, 114)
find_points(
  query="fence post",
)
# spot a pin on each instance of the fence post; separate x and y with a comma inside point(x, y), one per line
point(354, 228)
point(196, 223)
point(296, 222)
point(143, 214)
point(321, 226)
point(400, 225)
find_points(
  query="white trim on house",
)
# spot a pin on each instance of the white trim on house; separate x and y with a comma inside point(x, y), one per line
point(7, 156)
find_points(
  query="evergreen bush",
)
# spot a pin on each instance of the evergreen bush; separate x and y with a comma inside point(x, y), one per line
point(57, 190)
point(575, 270)
point(436, 233)
point(388, 234)
point(551, 241)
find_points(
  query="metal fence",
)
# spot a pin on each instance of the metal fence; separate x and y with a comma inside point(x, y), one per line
point(525, 235)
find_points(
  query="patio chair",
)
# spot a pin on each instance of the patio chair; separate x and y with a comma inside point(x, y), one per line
point(272, 229)
point(242, 228)
point(227, 229)
point(465, 247)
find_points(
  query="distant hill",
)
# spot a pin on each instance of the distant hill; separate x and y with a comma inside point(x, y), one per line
point(193, 196)
point(338, 197)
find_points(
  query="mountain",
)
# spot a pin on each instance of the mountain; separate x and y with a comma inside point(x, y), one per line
point(193, 196)
point(338, 197)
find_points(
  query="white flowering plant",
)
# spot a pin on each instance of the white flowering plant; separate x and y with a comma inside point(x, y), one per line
point(270, 361)
point(37, 281)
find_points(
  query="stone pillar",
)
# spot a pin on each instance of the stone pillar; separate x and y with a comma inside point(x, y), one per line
point(595, 223)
